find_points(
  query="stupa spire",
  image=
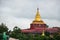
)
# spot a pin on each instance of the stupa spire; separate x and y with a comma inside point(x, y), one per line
point(43, 34)
point(37, 17)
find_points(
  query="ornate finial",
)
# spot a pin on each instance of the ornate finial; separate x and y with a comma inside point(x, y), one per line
point(37, 8)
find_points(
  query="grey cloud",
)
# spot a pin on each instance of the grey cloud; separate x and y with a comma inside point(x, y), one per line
point(27, 8)
point(18, 9)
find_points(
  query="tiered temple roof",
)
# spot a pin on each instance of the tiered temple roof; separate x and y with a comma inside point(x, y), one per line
point(38, 25)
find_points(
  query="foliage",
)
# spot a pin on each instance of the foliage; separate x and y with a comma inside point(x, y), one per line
point(16, 33)
point(47, 33)
point(56, 36)
point(3, 28)
point(1, 36)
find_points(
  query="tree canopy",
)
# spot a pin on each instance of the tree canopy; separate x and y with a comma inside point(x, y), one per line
point(3, 28)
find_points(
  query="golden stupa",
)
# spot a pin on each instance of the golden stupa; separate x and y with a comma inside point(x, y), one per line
point(43, 33)
point(38, 19)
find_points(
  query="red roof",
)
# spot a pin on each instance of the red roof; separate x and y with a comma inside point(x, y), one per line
point(40, 30)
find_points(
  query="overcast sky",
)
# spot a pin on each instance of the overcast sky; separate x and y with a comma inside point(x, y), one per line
point(22, 12)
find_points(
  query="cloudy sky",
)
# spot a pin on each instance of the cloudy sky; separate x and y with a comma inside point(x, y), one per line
point(22, 12)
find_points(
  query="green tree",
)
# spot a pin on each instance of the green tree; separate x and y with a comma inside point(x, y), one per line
point(3, 28)
point(47, 26)
point(16, 33)
point(1, 37)
point(30, 36)
point(56, 36)
point(47, 33)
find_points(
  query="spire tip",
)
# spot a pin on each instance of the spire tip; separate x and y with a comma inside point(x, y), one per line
point(37, 8)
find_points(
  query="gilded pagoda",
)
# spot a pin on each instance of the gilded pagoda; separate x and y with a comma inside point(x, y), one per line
point(39, 26)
